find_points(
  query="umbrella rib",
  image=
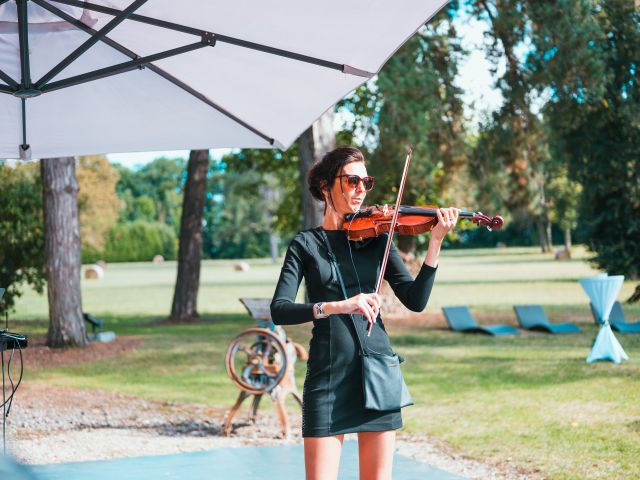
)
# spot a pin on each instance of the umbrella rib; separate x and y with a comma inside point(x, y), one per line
point(95, 37)
point(295, 56)
point(8, 90)
point(24, 50)
point(203, 98)
point(23, 36)
point(8, 80)
point(347, 69)
point(167, 76)
point(120, 68)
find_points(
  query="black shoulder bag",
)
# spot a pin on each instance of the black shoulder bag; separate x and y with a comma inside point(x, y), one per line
point(382, 382)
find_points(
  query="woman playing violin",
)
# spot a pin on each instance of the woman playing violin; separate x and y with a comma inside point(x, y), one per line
point(332, 395)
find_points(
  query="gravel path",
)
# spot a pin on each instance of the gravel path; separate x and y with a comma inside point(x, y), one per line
point(59, 424)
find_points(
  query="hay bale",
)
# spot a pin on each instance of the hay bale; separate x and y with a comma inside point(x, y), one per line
point(158, 259)
point(563, 254)
point(94, 272)
point(241, 267)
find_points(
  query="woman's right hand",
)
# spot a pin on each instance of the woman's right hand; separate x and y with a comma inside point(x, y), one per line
point(366, 304)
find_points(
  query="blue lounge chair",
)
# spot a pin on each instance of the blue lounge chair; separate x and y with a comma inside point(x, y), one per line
point(461, 320)
point(616, 320)
point(532, 317)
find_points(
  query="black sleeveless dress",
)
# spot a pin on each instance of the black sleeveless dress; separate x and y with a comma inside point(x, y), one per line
point(332, 396)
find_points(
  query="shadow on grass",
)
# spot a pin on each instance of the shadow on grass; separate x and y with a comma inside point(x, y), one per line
point(515, 281)
point(186, 361)
point(634, 426)
point(468, 362)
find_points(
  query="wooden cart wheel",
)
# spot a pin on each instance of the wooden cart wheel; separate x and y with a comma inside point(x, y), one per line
point(256, 360)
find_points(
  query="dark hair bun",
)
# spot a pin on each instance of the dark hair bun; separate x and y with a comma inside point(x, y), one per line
point(324, 171)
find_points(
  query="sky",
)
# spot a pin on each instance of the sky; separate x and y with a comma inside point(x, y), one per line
point(475, 80)
point(475, 77)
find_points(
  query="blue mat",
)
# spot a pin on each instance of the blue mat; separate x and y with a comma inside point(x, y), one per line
point(460, 320)
point(533, 317)
point(243, 463)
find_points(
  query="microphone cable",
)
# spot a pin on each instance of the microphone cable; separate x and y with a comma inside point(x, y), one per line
point(8, 402)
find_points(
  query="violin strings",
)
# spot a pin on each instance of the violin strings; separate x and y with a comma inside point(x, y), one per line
point(357, 276)
point(351, 254)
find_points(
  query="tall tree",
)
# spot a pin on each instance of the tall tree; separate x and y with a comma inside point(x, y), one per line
point(185, 297)
point(317, 140)
point(245, 179)
point(62, 252)
point(21, 231)
point(419, 104)
point(515, 143)
point(153, 191)
point(589, 56)
point(564, 195)
point(98, 203)
point(238, 215)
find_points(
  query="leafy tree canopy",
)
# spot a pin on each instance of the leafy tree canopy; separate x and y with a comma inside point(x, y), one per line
point(21, 231)
point(98, 203)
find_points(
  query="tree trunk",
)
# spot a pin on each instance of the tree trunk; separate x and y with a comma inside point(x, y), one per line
point(567, 239)
point(185, 296)
point(635, 297)
point(271, 197)
point(406, 243)
point(274, 241)
point(542, 235)
point(62, 252)
point(317, 140)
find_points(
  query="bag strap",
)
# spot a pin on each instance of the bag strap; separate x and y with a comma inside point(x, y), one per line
point(334, 264)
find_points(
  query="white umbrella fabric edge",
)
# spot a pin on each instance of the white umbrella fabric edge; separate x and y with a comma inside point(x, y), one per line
point(275, 141)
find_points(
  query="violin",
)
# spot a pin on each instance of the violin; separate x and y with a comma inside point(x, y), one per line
point(376, 220)
point(427, 215)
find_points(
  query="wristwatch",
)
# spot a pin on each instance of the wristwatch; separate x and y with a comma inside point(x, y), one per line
point(318, 310)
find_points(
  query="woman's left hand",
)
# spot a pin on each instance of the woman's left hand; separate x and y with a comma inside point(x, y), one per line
point(447, 219)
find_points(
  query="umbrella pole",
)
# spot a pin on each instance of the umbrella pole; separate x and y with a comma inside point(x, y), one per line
point(25, 148)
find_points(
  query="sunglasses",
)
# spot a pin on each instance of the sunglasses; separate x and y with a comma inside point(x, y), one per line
point(354, 180)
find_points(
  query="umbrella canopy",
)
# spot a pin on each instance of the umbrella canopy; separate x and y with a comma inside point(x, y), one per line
point(123, 75)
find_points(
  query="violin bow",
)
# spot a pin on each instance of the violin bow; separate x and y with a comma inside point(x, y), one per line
point(392, 229)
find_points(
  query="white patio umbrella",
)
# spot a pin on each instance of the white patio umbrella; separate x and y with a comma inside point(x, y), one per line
point(122, 75)
point(602, 290)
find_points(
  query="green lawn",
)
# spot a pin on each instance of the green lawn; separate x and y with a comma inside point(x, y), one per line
point(530, 401)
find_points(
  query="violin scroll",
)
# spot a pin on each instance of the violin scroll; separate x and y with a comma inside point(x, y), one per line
point(492, 223)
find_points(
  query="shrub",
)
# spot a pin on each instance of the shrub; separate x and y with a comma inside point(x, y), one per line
point(138, 241)
point(21, 231)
